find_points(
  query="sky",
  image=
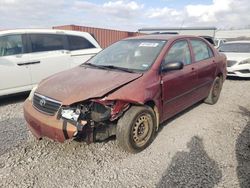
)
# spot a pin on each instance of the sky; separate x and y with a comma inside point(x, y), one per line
point(128, 15)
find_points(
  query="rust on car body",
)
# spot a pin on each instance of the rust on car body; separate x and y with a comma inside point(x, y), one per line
point(95, 97)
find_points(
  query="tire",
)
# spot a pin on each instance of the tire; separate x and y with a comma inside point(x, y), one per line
point(215, 90)
point(136, 128)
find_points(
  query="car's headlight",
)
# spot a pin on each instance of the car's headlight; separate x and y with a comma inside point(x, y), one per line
point(71, 114)
point(247, 61)
point(97, 110)
point(32, 93)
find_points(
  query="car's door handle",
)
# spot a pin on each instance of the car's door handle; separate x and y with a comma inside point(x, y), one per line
point(19, 56)
point(28, 63)
point(65, 51)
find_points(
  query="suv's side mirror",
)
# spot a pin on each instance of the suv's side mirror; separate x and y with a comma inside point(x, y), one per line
point(176, 65)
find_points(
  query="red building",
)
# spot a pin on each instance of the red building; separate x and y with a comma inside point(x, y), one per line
point(105, 37)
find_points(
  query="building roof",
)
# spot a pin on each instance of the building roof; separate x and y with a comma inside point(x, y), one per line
point(175, 28)
point(161, 37)
point(239, 41)
point(229, 34)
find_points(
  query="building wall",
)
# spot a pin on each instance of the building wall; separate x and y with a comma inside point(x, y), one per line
point(233, 34)
point(105, 37)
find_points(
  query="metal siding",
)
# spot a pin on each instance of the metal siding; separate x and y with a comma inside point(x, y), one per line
point(105, 37)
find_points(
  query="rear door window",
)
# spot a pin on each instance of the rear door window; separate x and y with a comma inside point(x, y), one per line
point(201, 50)
point(11, 45)
point(179, 52)
point(79, 43)
point(46, 42)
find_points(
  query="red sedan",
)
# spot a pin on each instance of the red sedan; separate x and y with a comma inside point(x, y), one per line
point(127, 90)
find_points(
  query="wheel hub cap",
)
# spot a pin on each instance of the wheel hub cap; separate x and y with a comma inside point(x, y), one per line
point(141, 129)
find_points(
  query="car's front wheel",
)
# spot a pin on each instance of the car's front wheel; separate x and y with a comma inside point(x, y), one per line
point(136, 128)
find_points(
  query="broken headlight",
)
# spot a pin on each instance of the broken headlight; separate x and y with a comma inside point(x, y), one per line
point(95, 110)
point(108, 110)
point(71, 114)
point(92, 110)
point(100, 111)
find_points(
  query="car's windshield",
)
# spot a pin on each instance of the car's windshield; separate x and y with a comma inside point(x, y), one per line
point(135, 55)
point(235, 47)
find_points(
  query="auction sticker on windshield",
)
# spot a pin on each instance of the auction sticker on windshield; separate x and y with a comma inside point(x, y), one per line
point(149, 44)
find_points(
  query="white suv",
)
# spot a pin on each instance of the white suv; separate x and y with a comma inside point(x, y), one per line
point(29, 55)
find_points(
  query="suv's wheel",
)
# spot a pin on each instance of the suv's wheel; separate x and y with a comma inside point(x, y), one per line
point(215, 90)
point(136, 128)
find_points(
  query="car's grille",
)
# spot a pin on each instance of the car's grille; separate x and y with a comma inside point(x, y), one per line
point(45, 104)
point(231, 63)
point(244, 71)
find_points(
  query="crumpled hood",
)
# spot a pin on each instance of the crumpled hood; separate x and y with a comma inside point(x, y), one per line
point(82, 83)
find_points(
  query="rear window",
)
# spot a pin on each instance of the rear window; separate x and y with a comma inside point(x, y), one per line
point(201, 50)
point(235, 47)
point(46, 42)
point(79, 43)
point(11, 45)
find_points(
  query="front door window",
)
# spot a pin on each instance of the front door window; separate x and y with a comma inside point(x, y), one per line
point(179, 52)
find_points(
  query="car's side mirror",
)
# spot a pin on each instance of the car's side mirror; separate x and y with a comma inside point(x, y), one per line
point(176, 65)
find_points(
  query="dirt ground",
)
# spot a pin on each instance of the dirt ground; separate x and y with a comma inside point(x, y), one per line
point(205, 146)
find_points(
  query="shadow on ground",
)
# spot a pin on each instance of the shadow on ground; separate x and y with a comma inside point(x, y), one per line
point(243, 152)
point(15, 98)
point(191, 169)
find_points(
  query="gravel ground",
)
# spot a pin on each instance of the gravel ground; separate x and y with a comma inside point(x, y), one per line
point(205, 146)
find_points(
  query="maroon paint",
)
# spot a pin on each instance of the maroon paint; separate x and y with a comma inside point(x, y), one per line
point(171, 92)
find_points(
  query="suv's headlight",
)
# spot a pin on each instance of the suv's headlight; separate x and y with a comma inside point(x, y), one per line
point(247, 61)
point(32, 93)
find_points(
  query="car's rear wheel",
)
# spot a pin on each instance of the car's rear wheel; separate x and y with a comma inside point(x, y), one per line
point(215, 90)
point(136, 128)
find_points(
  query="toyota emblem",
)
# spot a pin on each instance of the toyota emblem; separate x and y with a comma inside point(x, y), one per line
point(42, 102)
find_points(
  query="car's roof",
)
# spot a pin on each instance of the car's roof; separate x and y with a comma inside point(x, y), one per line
point(239, 41)
point(163, 37)
point(52, 31)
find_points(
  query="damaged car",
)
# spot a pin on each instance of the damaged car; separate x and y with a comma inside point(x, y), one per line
point(127, 90)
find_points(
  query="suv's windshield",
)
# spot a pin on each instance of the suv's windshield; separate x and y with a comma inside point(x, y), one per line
point(134, 55)
point(235, 47)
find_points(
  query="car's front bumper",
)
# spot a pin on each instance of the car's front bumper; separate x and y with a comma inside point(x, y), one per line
point(42, 125)
point(239, 71)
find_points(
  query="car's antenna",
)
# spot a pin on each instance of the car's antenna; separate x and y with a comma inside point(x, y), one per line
point(182, 23)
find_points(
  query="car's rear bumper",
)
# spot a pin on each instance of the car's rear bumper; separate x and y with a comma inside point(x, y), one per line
point(42, 125)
